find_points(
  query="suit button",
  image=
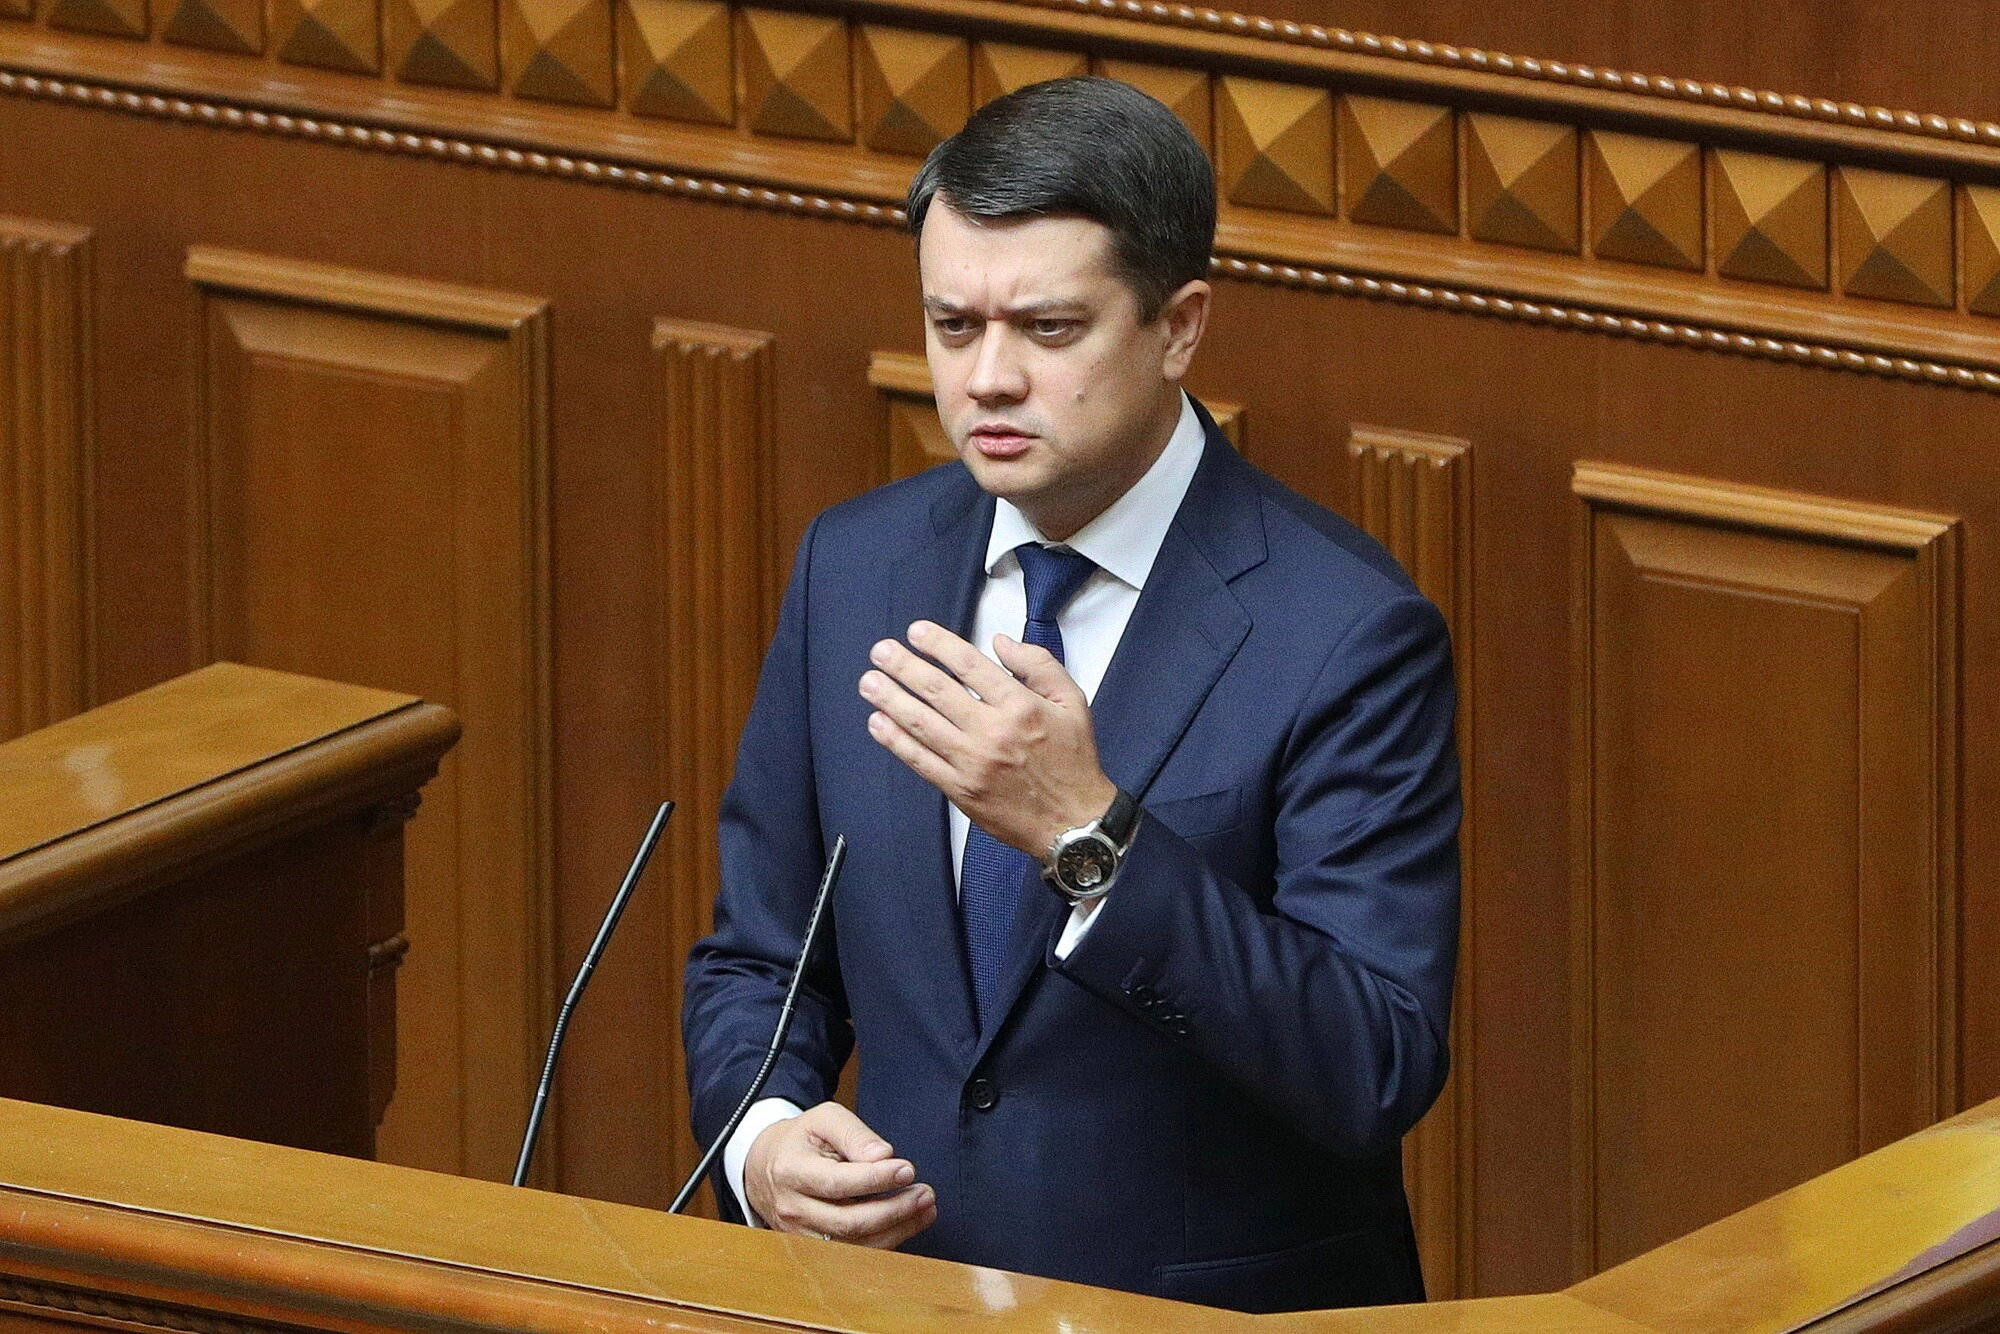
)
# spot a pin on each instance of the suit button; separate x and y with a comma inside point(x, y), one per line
point(981, 1095)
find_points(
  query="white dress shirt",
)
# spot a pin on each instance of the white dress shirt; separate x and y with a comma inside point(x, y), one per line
point(1124, 541)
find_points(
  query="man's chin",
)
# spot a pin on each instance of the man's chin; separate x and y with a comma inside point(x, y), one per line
point(1007, 479)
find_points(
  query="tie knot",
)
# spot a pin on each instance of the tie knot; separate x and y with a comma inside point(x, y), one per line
point(1053, 578)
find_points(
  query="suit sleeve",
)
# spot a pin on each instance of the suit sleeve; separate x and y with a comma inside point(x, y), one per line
point(772, 856)
point(1327, 993)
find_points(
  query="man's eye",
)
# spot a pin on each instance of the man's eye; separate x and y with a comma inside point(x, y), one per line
point(1053, 330)
point(952, 326)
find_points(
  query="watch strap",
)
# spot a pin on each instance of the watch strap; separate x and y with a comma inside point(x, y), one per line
point(1122, 820)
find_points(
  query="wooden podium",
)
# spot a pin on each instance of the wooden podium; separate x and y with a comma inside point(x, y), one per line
point(122, 1225)
point(201, 901)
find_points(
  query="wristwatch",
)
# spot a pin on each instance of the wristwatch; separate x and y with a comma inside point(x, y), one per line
point(1084, 861)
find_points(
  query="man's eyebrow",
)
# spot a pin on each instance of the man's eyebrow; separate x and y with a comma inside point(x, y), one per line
point(1043, 309)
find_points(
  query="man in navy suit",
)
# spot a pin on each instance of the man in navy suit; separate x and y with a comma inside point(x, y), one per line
point(1147, 927)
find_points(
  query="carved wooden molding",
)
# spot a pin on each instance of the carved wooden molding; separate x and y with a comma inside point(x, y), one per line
point(1904, 291)
point(1655, 553)
point(716, 430)
point(464, 372)
point(45, 473)
point(37, 1301)
point(1413, 494)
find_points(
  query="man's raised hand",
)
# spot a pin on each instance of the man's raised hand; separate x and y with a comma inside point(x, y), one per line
point(1011, 748)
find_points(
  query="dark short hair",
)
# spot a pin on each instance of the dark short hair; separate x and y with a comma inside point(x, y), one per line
point(1090, 147)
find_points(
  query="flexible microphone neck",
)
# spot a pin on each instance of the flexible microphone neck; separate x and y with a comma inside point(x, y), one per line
point(590, 958)
point(820, 900)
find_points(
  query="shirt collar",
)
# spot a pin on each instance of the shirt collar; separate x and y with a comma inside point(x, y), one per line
point(1125, 539)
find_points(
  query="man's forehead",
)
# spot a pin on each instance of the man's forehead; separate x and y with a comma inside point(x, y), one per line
point(1021, 261)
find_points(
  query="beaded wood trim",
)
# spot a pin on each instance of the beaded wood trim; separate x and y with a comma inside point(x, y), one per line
point(1492, 304)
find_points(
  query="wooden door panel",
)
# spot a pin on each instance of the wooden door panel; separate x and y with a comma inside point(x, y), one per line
point(368, 507)
point(1760, 918)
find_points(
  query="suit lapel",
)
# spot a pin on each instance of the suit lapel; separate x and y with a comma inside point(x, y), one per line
point(1187, 626)
point(939, 582)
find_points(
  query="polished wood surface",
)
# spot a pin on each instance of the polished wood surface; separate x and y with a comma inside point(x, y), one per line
point(45, 510)
point(153, 1224)
point(144, 785)
point(1808, 910)
point(1745, 293)
point(370, 503)
point(201, 904)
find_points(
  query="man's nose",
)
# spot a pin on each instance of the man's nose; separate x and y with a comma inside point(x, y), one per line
point(997, 371)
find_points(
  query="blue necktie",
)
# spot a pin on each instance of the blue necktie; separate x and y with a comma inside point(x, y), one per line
point(992, 875)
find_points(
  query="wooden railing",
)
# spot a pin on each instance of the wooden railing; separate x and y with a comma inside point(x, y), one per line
point(142, 1227)
point(201, 904)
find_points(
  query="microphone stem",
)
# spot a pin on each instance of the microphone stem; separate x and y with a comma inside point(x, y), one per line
point(582, 979)
point(701, 1169)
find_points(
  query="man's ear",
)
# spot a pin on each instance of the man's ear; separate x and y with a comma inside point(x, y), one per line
point(1186, 316)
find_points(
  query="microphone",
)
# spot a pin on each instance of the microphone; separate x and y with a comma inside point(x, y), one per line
point(826, 882)
point(590, 958)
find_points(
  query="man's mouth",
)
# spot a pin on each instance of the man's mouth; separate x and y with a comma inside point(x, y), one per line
point(998, 441)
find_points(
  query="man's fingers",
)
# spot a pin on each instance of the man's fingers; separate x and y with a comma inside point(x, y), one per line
point(922, 678)
point(833, 1181)
point(835, 1127)
point(883, 1222)
point(961, 659)
point(1038, 669)
point(912, 714)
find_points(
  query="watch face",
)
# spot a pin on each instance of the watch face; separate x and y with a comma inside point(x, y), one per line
point(1085, 864)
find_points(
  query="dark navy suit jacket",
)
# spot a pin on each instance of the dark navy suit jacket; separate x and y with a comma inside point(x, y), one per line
point(1204, 1101)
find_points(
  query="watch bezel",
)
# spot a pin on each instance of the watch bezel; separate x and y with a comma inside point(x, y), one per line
point(1059, 869)
point(1076, 848)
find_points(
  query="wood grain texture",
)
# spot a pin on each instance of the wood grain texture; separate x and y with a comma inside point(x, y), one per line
point(1521, 182)
point(1399, 164)
point(444, 43)
point(1274, 145)
point(370, 503)
point(1535, 391)
point(1895, 236)
point(112, 18)
point(153, 1228)
point(560, 51)
point(221, 857)
point(341, 35)
point(678, 60)
point(1002, 67)
point(46, 360)
point(1766, 901)
point(1414, 495)
point(797, 74)
point(914, 88)
point(1645, 200)
point(801, 84)
point(714, 448)
point(219, 25)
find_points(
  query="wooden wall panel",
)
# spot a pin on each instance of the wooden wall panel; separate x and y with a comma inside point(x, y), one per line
point(1766, 909)
point(1413, 493)
point(715, 451)
point(695, 198)
point(46, 360)
point(369, 505)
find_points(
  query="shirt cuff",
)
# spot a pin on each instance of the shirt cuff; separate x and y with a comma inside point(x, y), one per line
point(762, 1115)
point(1078, 925)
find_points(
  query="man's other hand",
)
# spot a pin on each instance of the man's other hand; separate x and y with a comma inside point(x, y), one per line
point(826, 1174)
point(1009, 744)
